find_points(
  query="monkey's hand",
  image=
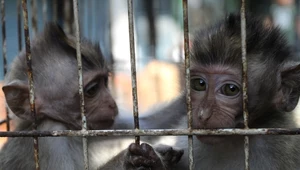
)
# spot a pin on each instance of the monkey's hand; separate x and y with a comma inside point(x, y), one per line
point(169, 155)
point(144, 157)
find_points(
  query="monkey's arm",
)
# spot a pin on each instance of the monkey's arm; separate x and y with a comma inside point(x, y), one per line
point(161, 117)
point(136, 157)
point(166, 116)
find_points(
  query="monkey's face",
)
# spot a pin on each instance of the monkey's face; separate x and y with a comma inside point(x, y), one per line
point(100, 106)
point(216, 94)
point(55, 74)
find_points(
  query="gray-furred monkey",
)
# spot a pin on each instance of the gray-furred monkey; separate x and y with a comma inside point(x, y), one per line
point(216, 93)
point(57, 108)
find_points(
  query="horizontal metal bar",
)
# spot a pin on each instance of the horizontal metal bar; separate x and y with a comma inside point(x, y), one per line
point(152, 132)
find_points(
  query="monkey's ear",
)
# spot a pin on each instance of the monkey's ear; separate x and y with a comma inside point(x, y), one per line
point(290, 86)
point(17, 99)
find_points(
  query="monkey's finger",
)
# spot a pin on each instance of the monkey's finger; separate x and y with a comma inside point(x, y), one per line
point(135, 149)
point(143, 150)
point(148, 151)
point(140, 161)
point(177, 154)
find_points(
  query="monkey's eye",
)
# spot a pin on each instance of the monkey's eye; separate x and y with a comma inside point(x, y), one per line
point(92, 89)
point(198, 84)
point(230, 90)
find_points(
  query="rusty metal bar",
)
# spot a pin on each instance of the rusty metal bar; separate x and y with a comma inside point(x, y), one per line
point(67, 16)
point(245, 83)
point(45, 9)
point(111, 59)
point(19, 25)
point(90, 18)
point(82, 16)
point(133, 69)
point(187, 79)
point(4, 52)
point(154, 132)
point(244, 62)
point(30, 80)
point(79, 61)
point(33, 17)
point(3, 36)
point(55, 11)
point(80, 82)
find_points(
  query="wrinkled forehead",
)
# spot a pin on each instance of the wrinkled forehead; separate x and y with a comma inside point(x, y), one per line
point(216, 69)
point(216, 49)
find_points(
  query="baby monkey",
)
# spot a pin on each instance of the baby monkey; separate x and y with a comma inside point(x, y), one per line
point(57, 105)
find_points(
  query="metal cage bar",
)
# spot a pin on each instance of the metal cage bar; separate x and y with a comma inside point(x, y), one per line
point(133, 68)
point(67, 17)
point(154, 132)
point(111, 59)
point(80, 81)
point(34, 17)
point(245, 83)
point(82, 17)
point(55, 11)
point(30, 80)
point(187, 80)
point(45, 9)
point(90, 18)
point(4, 52)
point(19, 25)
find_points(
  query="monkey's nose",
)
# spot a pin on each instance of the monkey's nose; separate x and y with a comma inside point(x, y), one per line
point(204, 114)
point(112, 105)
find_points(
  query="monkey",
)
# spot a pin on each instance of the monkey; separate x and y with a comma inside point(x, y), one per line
point(57, 107)
point(273, 77)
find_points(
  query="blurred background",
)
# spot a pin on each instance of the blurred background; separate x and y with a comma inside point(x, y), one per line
point(158, 37)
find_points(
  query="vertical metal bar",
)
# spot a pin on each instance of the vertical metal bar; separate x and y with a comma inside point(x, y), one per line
point(45, 15)
point(245, 84)
point(19, 25)
point(150, 14)
point(33, 17)
point(97, 20)
point(133, 68)
point(297, 38)
point(149, 5)
point(187, 78)
point(82, 16)
point(55, 11)
point(30, 80)
point(80, 82)
point(67, 16)
point(4, 51)
point(90, 18)
point(111, 59)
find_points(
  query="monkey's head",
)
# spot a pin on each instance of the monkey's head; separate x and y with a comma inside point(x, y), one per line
point(216, 76)
point(55, 76)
